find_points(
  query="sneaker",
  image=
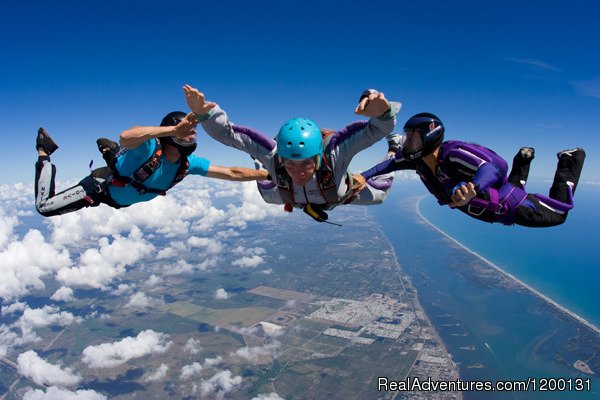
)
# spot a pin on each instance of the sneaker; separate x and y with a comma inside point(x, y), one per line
point(527, 153)
point(44, 142)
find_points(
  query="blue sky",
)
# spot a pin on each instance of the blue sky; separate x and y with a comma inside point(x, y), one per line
point(504, 74)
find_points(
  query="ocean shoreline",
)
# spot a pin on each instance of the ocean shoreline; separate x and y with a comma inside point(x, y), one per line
point(510, 276)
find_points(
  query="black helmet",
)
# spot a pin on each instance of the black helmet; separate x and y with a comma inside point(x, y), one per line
point(424, 132)
point(173, 119)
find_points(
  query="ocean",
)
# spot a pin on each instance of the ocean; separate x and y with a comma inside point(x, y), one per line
point(492, 332)
point(562, 262)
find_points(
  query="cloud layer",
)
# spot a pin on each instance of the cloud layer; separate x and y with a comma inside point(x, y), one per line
point(108, 355)
point(42, 372)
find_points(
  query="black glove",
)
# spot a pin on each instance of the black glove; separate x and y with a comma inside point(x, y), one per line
point(316, 212)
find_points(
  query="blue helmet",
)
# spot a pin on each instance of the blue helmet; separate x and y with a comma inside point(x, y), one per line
point(299, 138)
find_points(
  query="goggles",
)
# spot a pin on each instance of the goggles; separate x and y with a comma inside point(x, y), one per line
point(300, 164)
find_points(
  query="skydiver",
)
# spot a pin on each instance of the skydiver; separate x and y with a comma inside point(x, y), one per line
point(473, 178)
point(308, 167)
point(148, 162)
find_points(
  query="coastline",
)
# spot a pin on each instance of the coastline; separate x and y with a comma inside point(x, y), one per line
point(516, 280)
point(418, 310)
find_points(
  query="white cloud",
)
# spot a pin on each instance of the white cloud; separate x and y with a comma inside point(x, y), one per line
point(16, 195)
point(210, 245)
point(267, 271)
point(535, 63)
point(192, 346)
point(156, 375)
point(589, 88)
point(211, 362)
point(248, 262)
point(221, 294)
point(182, 267)
point(45, 316)
point(208, 263)
point(153, 280)
point(168, 215)
point(220, 384)
point(13, 308)
point(98, 267)
point(55, 393)
point(122, 289)
point(253, 354)
point(269, 396)
point(8, 340)
point(253, 330)
point(232, 192)
point(141, 301)
point(194, 369)
point(33, 367)
point(25, 262)
point(406, 176)
point(253, 208)
point(108, 355)
point(191, 370)
point(7, 224)
point(248, 251)
point(63, 294)
point(101, 221)
point(174, 228)
point(173, 250)
point(212, 217)
point(229, 233)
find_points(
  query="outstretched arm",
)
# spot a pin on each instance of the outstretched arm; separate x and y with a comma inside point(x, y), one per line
point(196, 101)
point(390, 164)
point(216, 123)
point(372, 104)
point(236, 173)
point(384, 167)
point(133, 137)
point(346, 143)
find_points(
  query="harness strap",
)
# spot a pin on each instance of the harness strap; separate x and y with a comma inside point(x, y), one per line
point(503, 208)
point(111, 151)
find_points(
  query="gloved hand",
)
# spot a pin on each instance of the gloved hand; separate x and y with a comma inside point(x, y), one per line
point(316, 212)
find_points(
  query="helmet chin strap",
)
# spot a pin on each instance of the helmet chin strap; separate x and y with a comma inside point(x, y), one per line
point(185, 151)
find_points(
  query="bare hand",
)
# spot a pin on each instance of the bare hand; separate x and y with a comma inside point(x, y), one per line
point(186, 127)
point(196, 101)
point(373, 105)
point(463, 195)
point(358, 182)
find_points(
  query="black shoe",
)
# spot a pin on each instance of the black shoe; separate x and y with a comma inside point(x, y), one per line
point(44, 142)
point(105, 145)
point(527, 153)
point(576, 153)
